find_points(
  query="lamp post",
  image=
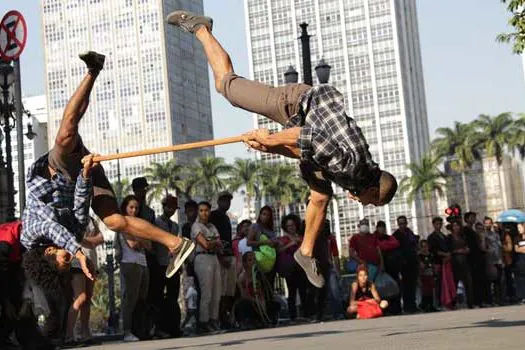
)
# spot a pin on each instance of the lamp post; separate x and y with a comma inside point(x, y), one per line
point(7, 121)
point(110, 270)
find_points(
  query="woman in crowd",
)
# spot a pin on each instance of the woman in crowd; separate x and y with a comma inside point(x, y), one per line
point(207, 268)
point(264, 226)
point(83, 288)
point(296, 280)
point(134, 271)
point(364, 298)
point(460, 265)
point(508, 263)
point(519, 263)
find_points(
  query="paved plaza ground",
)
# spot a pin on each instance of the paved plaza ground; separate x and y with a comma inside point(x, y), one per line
point(490, 328)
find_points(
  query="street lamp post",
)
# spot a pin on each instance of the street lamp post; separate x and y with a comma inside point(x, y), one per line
point(110, 270)
point(8, 123)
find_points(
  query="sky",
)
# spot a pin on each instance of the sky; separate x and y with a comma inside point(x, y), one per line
point(466, 71)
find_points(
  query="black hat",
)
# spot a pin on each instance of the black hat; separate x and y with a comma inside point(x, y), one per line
point(139, 183)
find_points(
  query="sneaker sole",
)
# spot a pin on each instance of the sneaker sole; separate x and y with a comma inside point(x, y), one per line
point(183, 258)
point(314, 283)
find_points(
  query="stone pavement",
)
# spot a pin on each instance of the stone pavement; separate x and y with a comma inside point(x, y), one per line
point(491, 328)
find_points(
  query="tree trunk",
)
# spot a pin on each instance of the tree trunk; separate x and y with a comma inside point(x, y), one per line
point(465, 191)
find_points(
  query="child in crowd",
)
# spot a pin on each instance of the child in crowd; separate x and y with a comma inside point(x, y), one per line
point(364, 298)
point(426, 277)
point(256, 307)
point(191, 297)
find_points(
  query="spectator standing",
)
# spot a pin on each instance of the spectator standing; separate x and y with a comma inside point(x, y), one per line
point(207, 268)
point(242, 231)
point(426, 277)
point(295, 277)
point(519, 263)
point(191, 298)
point(494, 262)
point(438, 246)
point(391, 254)
point(222, 222)
point(191, 211)
point(476, 259)
point(83, 288)
point(327, 255)
point(166, 304)
point(364, 248)
point(508, 262)
point(264, 226)
point(460, 263)
point(134, 274)
point(409, 263)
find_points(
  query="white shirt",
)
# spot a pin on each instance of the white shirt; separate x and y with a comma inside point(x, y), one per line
point(244, 247)
point(191, 298)
point(209, 232)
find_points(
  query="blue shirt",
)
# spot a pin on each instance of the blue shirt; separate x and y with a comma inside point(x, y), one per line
point(56, 209)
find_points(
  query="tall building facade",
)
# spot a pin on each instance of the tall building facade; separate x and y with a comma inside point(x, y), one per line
point(374, 51)
point(154, 89)
point(488, 189)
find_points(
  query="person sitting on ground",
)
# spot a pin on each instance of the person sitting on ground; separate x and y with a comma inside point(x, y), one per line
point(364, 298)
point(317, 130)
point(256, 307)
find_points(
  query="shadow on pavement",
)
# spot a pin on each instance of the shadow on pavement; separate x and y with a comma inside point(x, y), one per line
point(483, 324)
point(275, 338)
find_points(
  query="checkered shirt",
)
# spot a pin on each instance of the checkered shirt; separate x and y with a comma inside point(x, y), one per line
point(57, 209)
point(332, 141)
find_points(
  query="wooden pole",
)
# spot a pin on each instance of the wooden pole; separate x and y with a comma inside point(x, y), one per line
point(174, 148)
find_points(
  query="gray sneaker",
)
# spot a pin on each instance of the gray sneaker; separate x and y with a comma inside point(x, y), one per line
point(178, 257)
point(189, 21)
point(311, 268)
point(93, 60)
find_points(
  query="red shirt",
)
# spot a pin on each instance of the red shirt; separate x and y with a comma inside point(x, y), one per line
point(332, 242)
point(10, 233)
point(366, 247)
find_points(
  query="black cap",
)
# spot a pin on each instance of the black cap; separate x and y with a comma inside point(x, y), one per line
point(139, 183)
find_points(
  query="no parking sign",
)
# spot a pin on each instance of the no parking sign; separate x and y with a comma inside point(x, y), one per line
point(13, 35)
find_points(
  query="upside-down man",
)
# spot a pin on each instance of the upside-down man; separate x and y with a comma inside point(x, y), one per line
point(329, 144)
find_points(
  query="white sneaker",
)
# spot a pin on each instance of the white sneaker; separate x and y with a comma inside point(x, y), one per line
point(177, 259)
point(130, 337)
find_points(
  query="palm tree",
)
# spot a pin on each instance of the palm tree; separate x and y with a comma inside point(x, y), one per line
point(459, 143)
point(518, 136)
point(495, 137)
point(121, 189)
point(210, 176)
point(281, 185)
point(247, 173)
point(425, 178)
point(164, 178)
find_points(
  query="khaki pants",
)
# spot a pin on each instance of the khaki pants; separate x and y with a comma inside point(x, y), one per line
point(229, 277)
point(277, 103)
point(208, 271)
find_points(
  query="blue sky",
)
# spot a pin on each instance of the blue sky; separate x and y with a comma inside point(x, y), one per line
point(466, 71)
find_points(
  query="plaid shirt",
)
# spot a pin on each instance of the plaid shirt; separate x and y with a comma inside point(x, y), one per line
point(57, 209)
point(332, 141)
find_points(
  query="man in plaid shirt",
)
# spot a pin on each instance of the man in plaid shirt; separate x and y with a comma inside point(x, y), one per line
point(329, 144)
point(58, 200)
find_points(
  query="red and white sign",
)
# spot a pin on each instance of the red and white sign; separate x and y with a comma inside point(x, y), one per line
point(13, 35)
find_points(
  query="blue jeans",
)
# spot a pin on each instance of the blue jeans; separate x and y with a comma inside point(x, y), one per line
point(334, 292)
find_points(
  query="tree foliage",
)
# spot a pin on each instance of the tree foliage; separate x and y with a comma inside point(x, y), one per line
point(517, 21)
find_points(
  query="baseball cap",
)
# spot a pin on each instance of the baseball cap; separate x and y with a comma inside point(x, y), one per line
point(224, 194)
point(139, 183)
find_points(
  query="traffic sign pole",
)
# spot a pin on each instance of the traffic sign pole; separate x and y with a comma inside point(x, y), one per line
point(20, 136)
